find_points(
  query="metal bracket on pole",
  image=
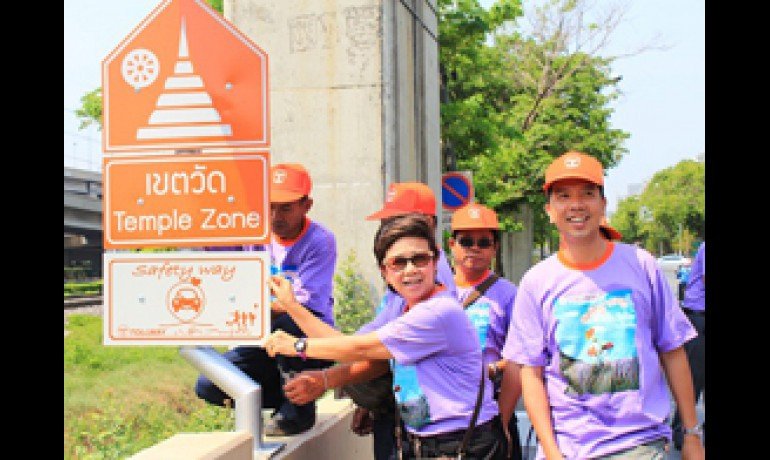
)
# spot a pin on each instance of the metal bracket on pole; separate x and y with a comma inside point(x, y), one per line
point(246, 393)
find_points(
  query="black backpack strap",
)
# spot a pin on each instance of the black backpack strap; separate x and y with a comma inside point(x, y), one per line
point(478, 292)
point(472, 426)
point(480, 289)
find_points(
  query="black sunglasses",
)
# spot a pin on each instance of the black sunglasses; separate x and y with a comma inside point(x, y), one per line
point(468, 242)
point(419, 260)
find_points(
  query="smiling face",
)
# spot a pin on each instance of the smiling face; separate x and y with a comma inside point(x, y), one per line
point(576, 207)
point(412, 282)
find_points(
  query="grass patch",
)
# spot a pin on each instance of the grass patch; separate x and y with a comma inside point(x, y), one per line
point(83, 288)
point(119, 400)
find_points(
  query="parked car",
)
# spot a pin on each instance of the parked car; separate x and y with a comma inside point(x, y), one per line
point(673, 261)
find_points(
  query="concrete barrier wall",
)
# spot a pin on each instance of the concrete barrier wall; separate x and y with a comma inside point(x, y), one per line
point(329, 439)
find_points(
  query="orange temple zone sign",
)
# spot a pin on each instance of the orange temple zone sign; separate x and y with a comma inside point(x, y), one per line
point(185, 78)
point(186, 200)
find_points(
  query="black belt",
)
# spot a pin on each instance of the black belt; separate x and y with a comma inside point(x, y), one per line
point(432, 443)
point(452, 435)
point(694, 312)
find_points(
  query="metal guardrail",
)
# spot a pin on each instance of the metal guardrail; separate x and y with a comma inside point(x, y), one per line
point(239, 386)
point(82, 301)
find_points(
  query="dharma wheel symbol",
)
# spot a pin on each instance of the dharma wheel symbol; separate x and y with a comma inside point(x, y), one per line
point(140, 68)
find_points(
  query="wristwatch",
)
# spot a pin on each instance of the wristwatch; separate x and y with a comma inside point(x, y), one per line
point(300, 346)
point(697, 430)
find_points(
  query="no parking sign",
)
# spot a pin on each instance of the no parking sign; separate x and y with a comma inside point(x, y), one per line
point(456, 189)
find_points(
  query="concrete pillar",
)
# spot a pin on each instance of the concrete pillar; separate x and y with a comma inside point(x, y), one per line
point(354, 96)
point(517, 247)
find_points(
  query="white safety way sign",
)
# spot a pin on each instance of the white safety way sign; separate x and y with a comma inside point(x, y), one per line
point(186, 298)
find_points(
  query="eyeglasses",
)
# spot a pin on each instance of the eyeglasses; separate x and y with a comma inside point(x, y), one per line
point(468, 242)
point(419, 260)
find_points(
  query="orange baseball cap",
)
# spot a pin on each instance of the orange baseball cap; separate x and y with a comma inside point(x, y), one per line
point(574, 165)
point(474, 216)
point(609, 232)
point(289, 182)
point(404, 198)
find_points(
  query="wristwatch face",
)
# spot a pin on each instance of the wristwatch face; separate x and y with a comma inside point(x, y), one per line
point(300, 345)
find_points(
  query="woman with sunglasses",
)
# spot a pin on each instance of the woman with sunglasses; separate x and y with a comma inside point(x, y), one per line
point(474, 241)
point(431, 343)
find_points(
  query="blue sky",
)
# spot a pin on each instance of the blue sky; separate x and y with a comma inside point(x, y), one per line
point(663, 106)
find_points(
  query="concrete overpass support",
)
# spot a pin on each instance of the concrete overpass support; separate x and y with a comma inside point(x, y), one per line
point(354, 96)
point(516, 247)
point(83, 221)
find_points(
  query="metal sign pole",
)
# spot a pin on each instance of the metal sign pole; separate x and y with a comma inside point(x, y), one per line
point(246, 393)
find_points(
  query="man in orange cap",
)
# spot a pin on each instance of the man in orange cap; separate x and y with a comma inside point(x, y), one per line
point(404, 198)
point(599, 335)
point(474, 242)
point(305, 252)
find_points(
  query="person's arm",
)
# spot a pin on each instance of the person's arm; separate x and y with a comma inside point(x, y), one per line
point(343, 348)
point(310, 385)
point(677, 371)
point(510, 390)
point(285, 301)
point(536, 402)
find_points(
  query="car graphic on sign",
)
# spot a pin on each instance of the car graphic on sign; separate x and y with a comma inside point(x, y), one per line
point(186, 299)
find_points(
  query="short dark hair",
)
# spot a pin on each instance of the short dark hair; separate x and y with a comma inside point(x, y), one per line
point(392, 230)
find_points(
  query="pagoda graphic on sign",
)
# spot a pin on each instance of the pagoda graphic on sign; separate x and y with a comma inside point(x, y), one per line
point(184, 109)
point(185, 79)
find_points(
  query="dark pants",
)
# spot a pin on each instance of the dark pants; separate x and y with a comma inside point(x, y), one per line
point(384, 433)
point(696, 357)
point(487, 442)
point(269, 373)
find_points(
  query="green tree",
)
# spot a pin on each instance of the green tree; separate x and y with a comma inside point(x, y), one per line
point(216, 4)
point(629, 218)
point(353, 306)
point(516, 100)
point(670, 214)
point(90, 112)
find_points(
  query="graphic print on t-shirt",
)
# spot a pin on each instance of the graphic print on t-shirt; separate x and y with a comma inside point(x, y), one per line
point(411, 401)
point(291, 273)
point(595, 336)
point(478, 312)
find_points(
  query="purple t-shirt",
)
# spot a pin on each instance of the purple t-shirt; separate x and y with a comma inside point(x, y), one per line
point(491, 315)
point(444, 273)
point(695, 291)
point(309, 264)
point(598, 335)
point(437, 364)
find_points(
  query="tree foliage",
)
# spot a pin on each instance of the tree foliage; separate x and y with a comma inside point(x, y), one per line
point(673, 196)
point(353, 306)
point(90, 111)
point(514, 100)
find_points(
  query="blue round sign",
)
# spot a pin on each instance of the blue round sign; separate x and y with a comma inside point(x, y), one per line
point(456, 190)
